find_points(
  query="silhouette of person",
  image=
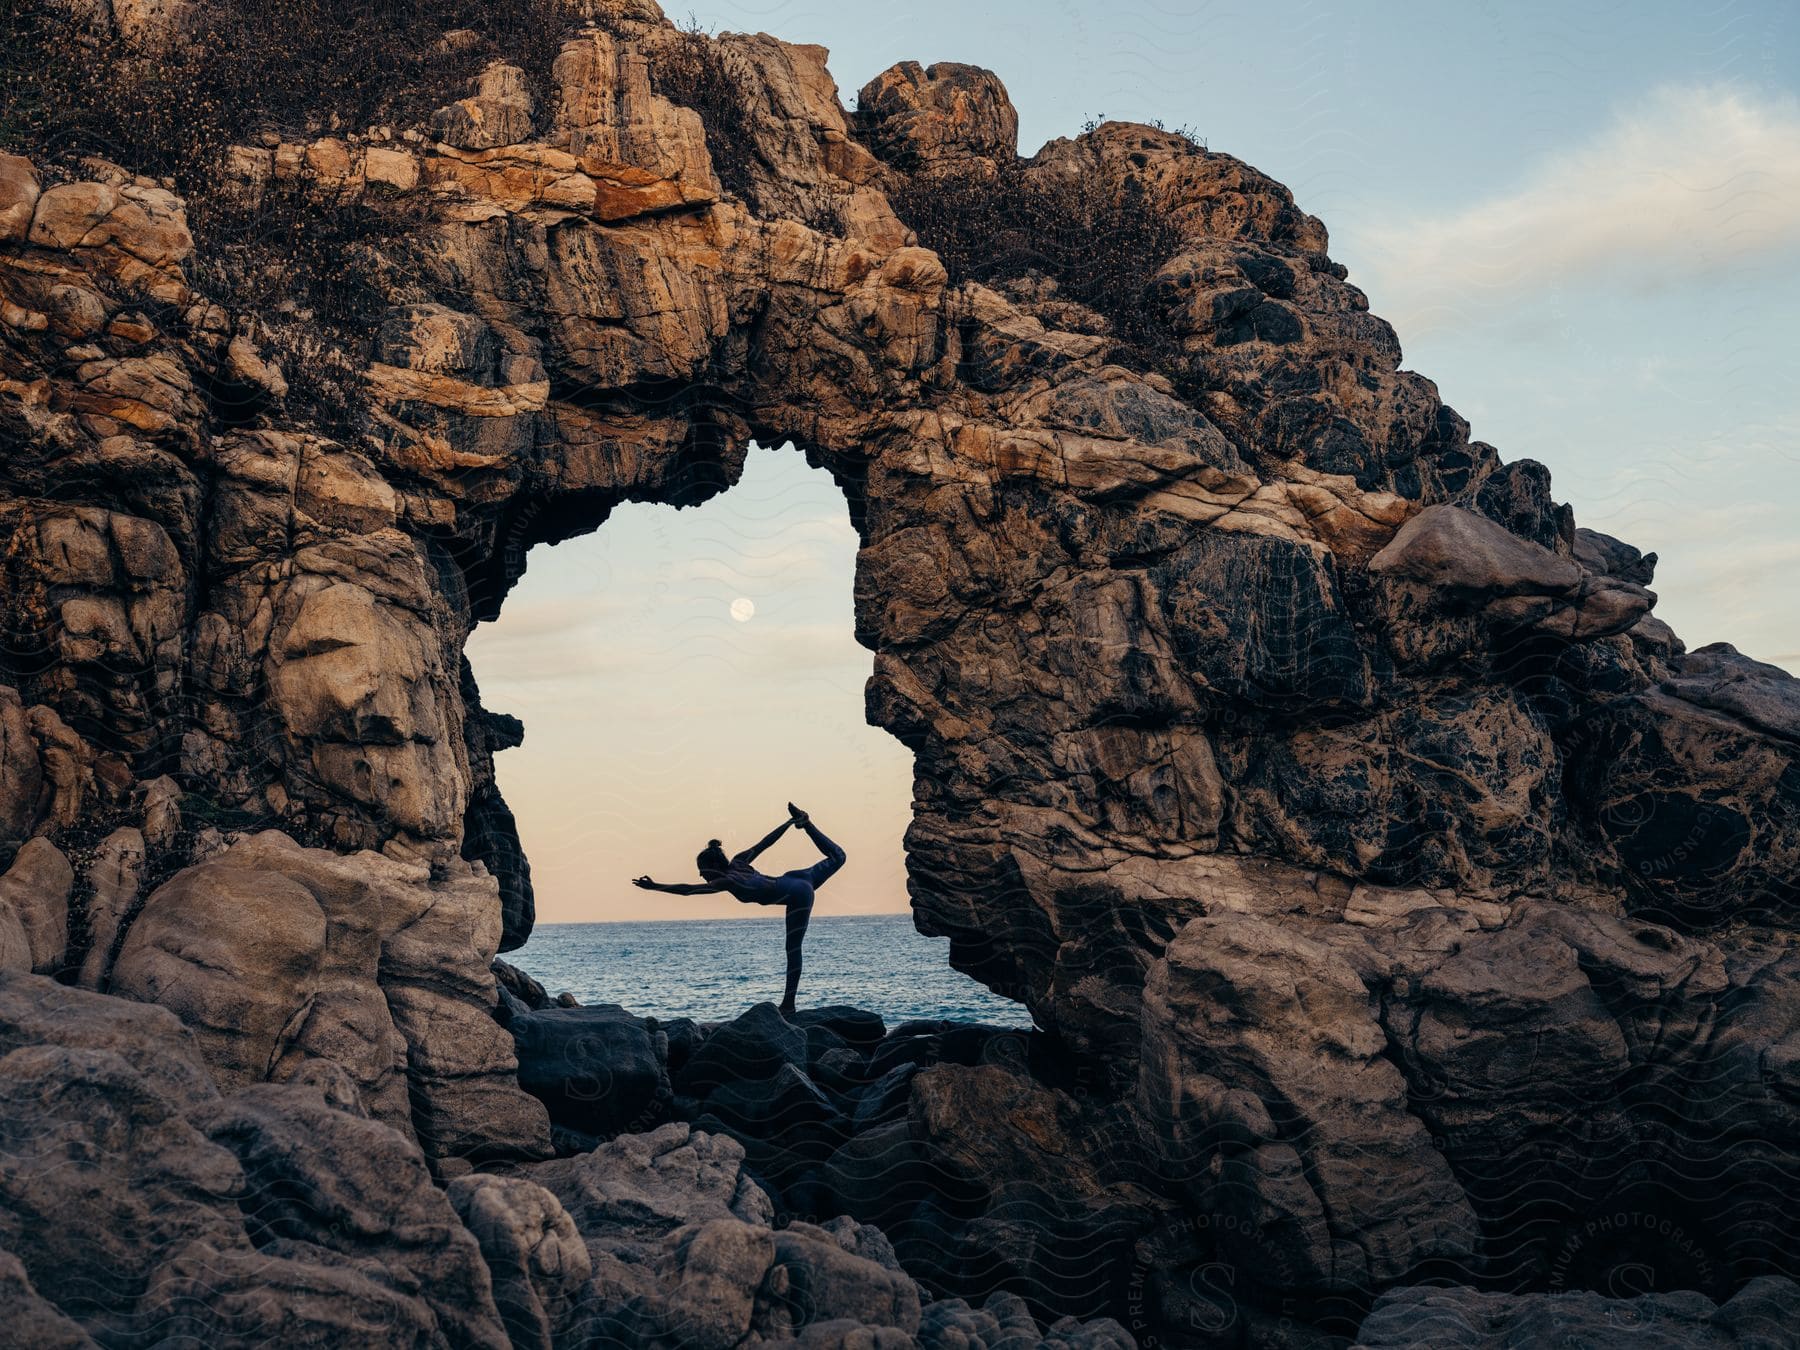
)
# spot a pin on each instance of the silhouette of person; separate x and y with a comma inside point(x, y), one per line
point(738, 878)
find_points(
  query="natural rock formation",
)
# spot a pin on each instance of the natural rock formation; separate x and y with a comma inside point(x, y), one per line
point(137, 1203)
point(279, 957)
point(1391, 889)
point(1762, 1314)
point(34, 909)
point(138, 1198)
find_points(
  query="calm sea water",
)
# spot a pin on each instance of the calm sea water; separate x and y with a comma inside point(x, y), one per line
point(713, 969)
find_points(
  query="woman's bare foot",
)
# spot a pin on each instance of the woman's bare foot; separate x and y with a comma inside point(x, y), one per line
point(799, 817)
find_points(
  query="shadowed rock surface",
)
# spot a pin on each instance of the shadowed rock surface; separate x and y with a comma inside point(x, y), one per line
point(1392, 891)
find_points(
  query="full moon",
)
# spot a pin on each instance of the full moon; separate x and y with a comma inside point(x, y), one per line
point(743, 609)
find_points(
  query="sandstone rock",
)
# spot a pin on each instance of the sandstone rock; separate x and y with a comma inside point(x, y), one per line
point(18, 197)
point(647, 1185)
point(141, 23)
point(435, 976)
point(248, 367)
point(683, 1254)
point(69, 212)
point(337, 1012)
point(1448, 546)
point(333, 666)
point(1518, 582)
point(825, 1282)
point(36, 1012)
point(360, 1190)
point(235, 953)
point(499, 113)
point(360, 962)
point(135, 233)
point(1606, 556)
point(1318, 1145)
point(15, 943)
point(36, 890)
point(939, 117)
point(68, 766)
point(532, 1250)
point(1721, 678)
point(162, 810)
point(1720, 836)
point(644, 153)
point(21, 772)
point(677, 1234)
point(113, 883)
point(308, 1223)
point(257, 1297)
point(103, 1179)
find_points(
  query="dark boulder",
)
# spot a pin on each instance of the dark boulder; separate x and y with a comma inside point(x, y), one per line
point(598, 1070)
point(885, 1100)
point(784, 1107)
point(1262, 621)
point(683, 1035)
point(856, 1027)
point(754, 1045)
point(841, 1070)
point(879, 1176)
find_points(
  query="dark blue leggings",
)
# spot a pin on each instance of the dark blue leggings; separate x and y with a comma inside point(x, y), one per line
point(799, 886)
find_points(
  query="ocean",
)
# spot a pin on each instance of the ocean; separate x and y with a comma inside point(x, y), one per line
point(713, 969)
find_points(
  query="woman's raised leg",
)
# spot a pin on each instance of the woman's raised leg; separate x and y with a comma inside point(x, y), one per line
point(829, 864)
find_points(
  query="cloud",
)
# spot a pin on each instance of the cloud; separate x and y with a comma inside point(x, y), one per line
point(1683, 186)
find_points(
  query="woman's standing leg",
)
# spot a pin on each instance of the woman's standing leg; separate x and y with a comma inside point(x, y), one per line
point(799, 915)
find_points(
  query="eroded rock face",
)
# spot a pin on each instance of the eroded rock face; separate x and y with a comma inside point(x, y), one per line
point(1295, 760)
point(144, 1205)
point(1458, 1317)
point(281, 957)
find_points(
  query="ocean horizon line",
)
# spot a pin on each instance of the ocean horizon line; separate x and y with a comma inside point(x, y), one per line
point(745, 918)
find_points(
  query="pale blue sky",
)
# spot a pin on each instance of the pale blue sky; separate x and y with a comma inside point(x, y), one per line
point(1583, 218)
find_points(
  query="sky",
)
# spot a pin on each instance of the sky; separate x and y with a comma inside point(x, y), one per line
point(1582, 217)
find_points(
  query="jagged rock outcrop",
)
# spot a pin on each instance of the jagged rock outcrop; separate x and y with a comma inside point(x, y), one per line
point(279, 957)
point(1394, 885)
point(141, 1201)
point(140, 1204)
point(1762, 1314)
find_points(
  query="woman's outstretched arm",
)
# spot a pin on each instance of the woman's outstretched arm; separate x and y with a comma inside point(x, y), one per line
point(678, 887)
point(754, 851)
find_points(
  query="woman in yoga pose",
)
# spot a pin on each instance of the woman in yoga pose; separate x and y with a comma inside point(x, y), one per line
point(792, 889)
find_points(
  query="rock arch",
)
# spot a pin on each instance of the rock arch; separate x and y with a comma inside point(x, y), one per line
point(1281, 747)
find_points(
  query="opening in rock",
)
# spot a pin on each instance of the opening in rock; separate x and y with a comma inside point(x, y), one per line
point(681, 675)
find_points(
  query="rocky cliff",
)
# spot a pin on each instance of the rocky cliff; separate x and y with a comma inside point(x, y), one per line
point(1392, 891)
